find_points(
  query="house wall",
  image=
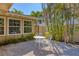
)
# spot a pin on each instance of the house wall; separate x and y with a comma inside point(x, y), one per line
point(6, 28)
point(40, 29)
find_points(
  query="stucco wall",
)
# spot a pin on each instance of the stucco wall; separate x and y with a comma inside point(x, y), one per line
point(6, 27)
point(40, 29)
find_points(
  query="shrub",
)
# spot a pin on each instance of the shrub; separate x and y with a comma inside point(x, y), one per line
point(46, 34)
point(17, 40)
point(29, 37)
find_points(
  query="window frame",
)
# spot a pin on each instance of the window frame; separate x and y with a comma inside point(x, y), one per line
point(27, 26)
point(3, 26)
point(12, 26)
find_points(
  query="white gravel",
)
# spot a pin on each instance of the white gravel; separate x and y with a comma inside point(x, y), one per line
point(31, 49)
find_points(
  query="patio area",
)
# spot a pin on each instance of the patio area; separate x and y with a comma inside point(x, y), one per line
point(31, 49)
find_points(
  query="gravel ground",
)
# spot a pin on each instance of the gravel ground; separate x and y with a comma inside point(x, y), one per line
point(30, 48)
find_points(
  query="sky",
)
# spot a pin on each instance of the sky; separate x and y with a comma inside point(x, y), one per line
point(27, 8)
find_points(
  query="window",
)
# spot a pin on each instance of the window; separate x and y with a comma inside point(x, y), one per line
point(27, 26)
point(14, 26)
point(1, 26)
point(40, 21)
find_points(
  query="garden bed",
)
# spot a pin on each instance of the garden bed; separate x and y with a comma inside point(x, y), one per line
point(17, 40)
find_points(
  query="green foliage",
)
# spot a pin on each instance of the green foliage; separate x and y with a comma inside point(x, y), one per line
point(56, 26)
point(17, 40)
point(36, 14)
point(16, 11)
point(60, 19)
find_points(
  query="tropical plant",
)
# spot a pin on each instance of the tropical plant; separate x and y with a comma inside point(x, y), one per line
point(36, 14)
point(60, 15)
point(71, 15)
point(16, 11)
point(56, 22)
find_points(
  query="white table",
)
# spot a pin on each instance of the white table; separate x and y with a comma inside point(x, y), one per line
point(43, 39)
point(39, 39)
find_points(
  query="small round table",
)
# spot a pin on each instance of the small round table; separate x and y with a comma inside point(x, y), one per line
point(39, 39)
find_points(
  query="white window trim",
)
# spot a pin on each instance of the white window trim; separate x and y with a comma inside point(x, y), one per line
point(27, 26)
point(4, 27)
point(9, 26)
